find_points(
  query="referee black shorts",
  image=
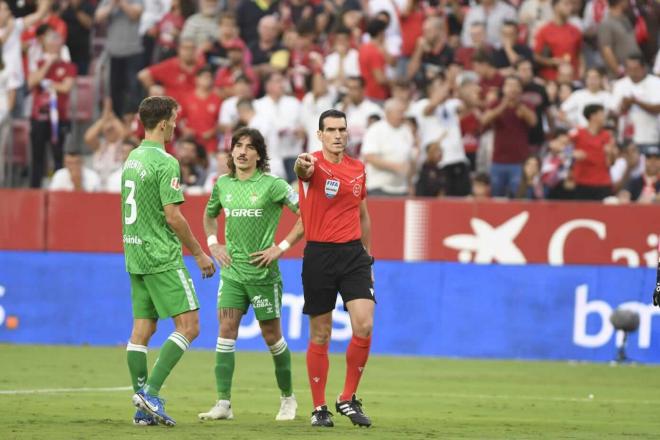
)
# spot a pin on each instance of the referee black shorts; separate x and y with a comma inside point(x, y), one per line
point(329, 268)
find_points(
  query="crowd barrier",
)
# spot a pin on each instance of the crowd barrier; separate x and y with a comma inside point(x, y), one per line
point(424, 308)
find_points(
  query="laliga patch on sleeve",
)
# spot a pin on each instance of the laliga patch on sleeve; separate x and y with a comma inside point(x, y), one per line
point(331, 188)
point(175, 184)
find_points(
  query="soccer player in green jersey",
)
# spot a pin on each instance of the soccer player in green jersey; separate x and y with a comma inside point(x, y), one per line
point(153, 230)
point(252, 202)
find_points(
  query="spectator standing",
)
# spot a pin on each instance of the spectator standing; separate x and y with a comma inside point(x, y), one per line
point(478, 42)
point(228, 116)
point(511, 51)
point(7, 101)
point(431, 179)
point(74, 176)
point(79, 18)
point(248, 15)
point(637, 100)
point(200, 111)
point(492, 12)
point(202, 27)
point(535, 96)
point(170, 27)
point(343, 62)
point(192, 160)
point(154, 11)
point(266, 44)
point(124, 46)
point(432, 54)
point(105, 137)
point(51, 84)
point(594, 147)
point(512, 121)
point(533, 14)
point(616, 38)
point(236, 66)
point(113, 182)
point(572, 109)
point(284, 113)
point(176, 74)
point(320, 98)
point(387, 150)
point(217, 55)
point(373, 59)
point(358, 109)
point(558, 41)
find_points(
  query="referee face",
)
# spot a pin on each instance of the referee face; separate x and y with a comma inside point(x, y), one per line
point(334, 135)
point(245, 155)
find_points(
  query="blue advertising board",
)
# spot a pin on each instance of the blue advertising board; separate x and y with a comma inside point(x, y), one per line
point(430, 309)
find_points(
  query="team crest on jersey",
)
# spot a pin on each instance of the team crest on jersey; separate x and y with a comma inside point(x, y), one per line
point(357, 189)
point(228, 198)
point(174, 183)
point(331, 188)
point(253, 198)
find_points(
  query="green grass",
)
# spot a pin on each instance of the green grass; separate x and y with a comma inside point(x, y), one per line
point(407, 398)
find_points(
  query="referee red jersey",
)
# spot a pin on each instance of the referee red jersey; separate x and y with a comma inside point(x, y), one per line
point(330, 200)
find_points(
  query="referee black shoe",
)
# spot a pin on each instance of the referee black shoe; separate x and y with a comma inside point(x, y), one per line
point(353, 410)
point(322, 417)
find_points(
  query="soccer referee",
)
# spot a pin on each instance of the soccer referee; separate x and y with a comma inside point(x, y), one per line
point(336, 259)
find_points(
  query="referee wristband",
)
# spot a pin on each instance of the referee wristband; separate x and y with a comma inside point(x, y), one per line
point(211, 240)
point(284, 245)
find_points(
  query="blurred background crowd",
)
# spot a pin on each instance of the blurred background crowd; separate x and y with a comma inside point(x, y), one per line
point(531, 99)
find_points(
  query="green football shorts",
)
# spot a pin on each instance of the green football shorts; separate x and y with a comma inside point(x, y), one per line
point(266, 299)
point(163, 295)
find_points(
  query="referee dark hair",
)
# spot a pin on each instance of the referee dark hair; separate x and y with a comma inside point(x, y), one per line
point(336, 260)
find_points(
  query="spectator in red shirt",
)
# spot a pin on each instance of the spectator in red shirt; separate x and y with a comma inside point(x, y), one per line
point(237, 66)
point(170, 26)
point(490, 79)
point(373, 61)
point(558, 42)
point(305, 60)
point(199, 111)
point(512, 120)
point(411, 20)
point(176, 74)
point(51, 84)
point(479, 42)
point(593, 149)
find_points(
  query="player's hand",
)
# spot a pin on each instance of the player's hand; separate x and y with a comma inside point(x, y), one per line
point(265, 257)
point(220, 253)
point(205, 265)
point(656, 295)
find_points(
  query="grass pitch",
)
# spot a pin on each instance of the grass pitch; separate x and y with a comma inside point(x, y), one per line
point(407, 398)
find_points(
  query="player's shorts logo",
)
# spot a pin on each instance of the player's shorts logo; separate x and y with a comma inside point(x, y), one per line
point(331, 188)
point(357, 189)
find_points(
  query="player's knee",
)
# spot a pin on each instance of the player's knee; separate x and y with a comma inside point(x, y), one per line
point(190, 331)
point(320, 336)
point(228, 330)
point(363, 328)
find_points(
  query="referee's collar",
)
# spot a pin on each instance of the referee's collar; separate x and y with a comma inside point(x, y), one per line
point(253, 178)
point(152, 144)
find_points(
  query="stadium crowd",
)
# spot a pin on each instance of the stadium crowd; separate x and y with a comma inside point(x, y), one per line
point(531, 99)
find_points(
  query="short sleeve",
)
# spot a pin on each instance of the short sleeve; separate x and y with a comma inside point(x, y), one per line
point(214, 206)
point(170, 183)
point(282, 193)
point(605, 35)
point(370, 142)
point(539, 44)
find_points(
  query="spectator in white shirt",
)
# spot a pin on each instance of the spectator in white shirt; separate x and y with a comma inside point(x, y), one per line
point(637, 99)
point(228, 116)
point(104, 138)
point(388, 151)
point(573, 107)
point(492, 12)
point(74, 176)
point(113, 182)
point(343, 62)
point(358, 109)
point(7, 100)
point(320, 98)
point(284, 114)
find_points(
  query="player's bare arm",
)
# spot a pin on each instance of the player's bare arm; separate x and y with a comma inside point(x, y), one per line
point(267, 256)
point(180, 226)
point(218, 251)
point(304, 166)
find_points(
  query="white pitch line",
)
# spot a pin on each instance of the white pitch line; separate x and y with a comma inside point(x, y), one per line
point(64, 390)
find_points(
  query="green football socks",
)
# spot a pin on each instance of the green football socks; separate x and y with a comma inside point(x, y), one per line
point(136, 356)
point(225, 354)
point(282, 360)
point(170, 353)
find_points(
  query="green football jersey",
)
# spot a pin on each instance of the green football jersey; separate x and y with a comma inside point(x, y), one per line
point(252, 212)
point(149, 181)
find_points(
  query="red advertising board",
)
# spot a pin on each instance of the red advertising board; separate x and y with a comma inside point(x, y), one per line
point(506, 232)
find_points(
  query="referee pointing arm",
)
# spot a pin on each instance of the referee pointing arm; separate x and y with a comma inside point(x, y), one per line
point(336, 260)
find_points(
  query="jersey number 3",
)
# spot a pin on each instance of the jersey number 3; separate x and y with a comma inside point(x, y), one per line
point(131, 213)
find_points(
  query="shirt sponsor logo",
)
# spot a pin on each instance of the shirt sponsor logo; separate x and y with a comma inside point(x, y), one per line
point(331, 188)
point(175, 184)
point(132, 239)
point(242, 212)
